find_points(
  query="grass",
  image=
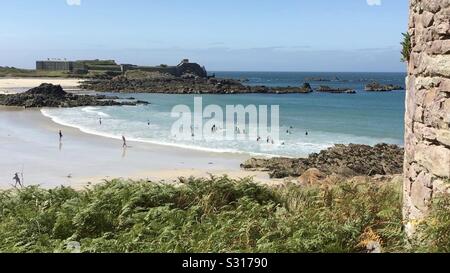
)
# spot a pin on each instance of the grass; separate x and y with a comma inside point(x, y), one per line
point(406, 47)
point(209, 215)
point(18, 72)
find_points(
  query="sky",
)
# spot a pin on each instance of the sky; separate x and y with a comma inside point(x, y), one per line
point(223, 35)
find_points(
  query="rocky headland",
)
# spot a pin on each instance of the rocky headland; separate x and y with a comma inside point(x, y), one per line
point(345, 161)
point(377, 87)
point(151, 82)
point(49, 95)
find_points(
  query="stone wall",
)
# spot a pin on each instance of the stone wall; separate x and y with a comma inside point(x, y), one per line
point(427, 135)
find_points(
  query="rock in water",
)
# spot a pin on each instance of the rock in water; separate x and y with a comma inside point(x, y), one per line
point(377, 87)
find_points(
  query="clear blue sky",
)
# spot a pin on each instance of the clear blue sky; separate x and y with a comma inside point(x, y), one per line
point(252, 35)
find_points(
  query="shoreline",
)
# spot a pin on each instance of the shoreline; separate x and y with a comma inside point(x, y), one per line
point(11, 85)
point(169, 145)
point(31, 146)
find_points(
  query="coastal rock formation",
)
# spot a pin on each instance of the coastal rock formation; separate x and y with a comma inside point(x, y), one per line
point(335, 90)
point(49, 95)
point(377, 87)
point(146, 82)
point(320, 79)
point(427, 133)
point(343, 160)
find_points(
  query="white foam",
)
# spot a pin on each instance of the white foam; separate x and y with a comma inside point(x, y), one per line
point(95, 111)
point(139, 131)
point(83, 129)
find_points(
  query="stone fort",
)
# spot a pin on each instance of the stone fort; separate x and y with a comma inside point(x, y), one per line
point(427, 134)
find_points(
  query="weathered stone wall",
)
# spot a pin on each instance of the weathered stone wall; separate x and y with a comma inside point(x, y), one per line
point(427, 139)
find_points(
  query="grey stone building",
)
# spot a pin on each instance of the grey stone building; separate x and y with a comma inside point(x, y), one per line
point(55, 65)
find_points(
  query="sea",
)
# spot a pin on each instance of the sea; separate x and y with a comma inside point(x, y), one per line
point(308, 123)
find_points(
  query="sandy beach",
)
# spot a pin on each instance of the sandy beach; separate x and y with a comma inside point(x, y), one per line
point(15, 85)
point(30, 144)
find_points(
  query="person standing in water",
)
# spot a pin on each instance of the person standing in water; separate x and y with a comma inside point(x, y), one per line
point(100, 120)
point(124, 142)
point(60, 135)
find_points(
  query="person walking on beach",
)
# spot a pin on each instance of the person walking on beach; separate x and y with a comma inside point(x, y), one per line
point(17, 180)
point(60, 135)
point(124, 142)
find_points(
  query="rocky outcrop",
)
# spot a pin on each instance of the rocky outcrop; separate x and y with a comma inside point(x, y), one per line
point(144, 82)
point(343, 160)
point(427, 133)
point(377, 87)
point(48, 95)
point(335, 90)
point(321, 79)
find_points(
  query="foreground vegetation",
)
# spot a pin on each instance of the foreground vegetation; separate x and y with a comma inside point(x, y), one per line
point(212, 215)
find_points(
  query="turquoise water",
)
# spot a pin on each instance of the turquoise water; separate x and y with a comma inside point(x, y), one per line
point(362, 118)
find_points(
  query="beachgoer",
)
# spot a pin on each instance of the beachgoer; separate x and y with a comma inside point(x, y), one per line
point(60, 135)
point(17, 180)
point(124, 141)
point(100, 121)
point(307, 133)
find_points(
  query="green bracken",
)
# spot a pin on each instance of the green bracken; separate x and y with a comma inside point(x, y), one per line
point(208, 215)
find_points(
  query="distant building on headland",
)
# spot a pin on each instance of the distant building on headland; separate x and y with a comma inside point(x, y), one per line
point(110, 66)
point(54, 65)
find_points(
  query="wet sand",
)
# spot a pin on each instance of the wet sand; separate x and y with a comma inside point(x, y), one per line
point(29, 143)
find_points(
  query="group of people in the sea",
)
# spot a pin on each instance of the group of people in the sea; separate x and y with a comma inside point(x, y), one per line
point(214, 129)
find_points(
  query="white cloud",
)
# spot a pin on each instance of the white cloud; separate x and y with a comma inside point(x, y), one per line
point(73, 2)
point(374, 2)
